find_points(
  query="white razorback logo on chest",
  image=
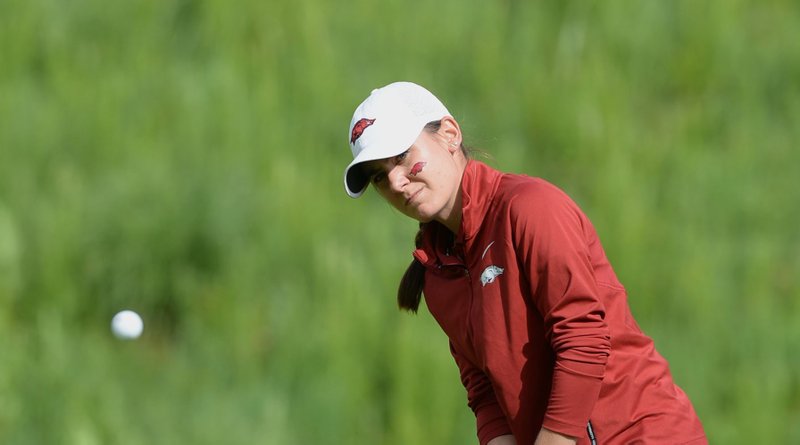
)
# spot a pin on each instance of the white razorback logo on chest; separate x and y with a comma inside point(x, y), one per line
point(489, 274)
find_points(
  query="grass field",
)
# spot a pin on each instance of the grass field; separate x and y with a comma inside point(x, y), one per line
point(184, 159)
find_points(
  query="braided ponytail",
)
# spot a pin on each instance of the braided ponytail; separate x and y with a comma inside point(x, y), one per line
point(409, 293)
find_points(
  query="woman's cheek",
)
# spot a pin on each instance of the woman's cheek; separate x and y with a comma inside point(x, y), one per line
point(418, 167)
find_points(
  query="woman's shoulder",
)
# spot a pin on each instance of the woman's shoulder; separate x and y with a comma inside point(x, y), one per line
point(534, 200)
point(518, 188)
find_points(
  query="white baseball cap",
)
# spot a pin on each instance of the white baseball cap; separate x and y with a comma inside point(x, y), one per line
point(386, 124)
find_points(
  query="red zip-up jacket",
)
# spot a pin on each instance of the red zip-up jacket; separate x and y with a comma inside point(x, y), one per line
point(539, 325)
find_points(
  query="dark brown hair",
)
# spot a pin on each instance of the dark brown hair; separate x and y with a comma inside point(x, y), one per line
point(409, 293)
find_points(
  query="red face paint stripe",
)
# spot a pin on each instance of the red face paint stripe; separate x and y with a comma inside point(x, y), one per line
point(417, 168)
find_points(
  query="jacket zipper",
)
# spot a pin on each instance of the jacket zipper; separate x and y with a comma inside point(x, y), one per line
point(460, 264)
point(590, 431)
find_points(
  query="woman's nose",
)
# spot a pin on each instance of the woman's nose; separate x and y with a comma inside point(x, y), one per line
point(397, 179)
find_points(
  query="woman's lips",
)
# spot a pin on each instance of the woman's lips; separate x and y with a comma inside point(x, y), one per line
point(414, 195)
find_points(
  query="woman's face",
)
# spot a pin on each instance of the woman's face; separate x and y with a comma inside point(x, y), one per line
point(424, 181)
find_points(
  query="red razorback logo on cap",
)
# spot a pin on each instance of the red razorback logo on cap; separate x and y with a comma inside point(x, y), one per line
point(359, 128)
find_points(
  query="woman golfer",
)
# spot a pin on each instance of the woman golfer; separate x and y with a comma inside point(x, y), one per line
point(515, 274)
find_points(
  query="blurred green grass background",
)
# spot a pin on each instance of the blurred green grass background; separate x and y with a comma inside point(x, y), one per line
point(184, 159)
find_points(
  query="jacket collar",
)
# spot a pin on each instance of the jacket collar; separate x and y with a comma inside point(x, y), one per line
point(478, 186)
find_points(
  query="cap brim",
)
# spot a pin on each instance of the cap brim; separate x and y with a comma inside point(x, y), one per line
point(355, 183)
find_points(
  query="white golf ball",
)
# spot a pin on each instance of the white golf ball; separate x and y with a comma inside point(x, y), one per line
point(127, 325)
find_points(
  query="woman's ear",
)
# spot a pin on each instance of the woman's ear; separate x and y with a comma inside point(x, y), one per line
point(451, 132)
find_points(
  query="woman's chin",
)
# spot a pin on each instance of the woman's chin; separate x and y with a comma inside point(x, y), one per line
point(423, 217)
point(423, 213)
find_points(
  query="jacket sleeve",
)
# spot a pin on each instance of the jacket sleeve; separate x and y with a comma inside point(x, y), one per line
point(490, 419)
point(552, 238)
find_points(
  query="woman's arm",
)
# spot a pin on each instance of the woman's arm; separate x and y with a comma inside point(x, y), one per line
point(489, 417)
point(547, 437)
point(503, 440)
point(552, 238)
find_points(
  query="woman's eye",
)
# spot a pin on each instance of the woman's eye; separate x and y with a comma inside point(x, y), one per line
point(399, 158)
point(377, 178)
